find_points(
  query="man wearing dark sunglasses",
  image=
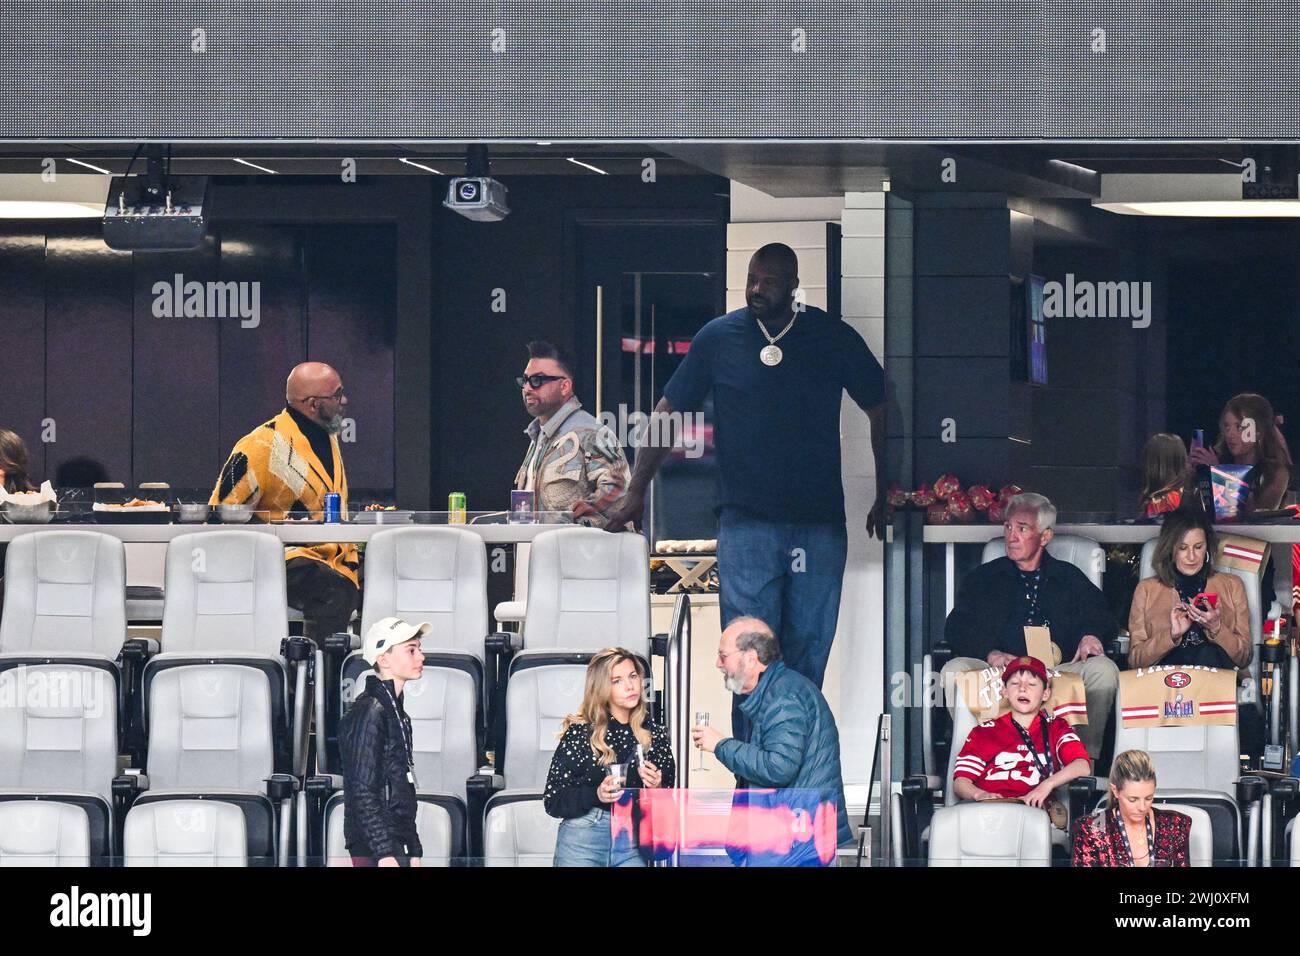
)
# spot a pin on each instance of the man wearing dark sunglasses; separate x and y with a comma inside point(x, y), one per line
point(574, 464)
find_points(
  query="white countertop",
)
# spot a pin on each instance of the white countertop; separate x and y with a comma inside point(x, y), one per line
point(307, 533)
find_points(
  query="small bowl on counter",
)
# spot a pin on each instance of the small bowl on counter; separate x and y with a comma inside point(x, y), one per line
point(39, 513)
point(235, 514)
point(192, 513)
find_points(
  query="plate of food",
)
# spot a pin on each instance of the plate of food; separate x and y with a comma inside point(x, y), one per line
point(134, 511)
point(382, 514)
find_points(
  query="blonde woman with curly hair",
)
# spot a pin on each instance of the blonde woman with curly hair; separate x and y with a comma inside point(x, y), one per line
point(610, 730)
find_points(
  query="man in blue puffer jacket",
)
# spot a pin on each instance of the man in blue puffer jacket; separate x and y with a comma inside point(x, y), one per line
point(794, 744)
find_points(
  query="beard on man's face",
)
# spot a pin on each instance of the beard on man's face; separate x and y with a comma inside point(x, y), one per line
point(735, 683)
point(333, 425)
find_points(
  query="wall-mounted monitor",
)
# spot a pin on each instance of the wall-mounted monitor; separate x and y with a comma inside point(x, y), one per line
point(1036, 331)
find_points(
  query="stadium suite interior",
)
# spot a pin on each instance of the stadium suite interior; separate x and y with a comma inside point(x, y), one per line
point(401, 296)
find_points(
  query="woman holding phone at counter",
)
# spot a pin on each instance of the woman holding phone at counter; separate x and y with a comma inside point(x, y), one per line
point(1249, 435)
point(1189, 613)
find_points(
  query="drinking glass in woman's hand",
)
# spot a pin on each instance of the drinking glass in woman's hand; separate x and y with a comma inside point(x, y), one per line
point(610, 789)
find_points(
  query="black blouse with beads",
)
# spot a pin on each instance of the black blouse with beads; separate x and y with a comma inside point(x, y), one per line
point(575, 775)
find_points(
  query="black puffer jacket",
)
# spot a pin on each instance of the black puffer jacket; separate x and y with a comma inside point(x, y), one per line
point(378, 800)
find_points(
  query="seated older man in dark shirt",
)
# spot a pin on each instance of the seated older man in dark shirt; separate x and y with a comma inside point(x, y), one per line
point(1027, 588)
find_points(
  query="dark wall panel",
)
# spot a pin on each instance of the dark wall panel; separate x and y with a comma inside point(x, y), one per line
point(540, 257)
point(254, 362)
point(175, 401)
point(22, 329)
point(351, 280)
point(88, 294)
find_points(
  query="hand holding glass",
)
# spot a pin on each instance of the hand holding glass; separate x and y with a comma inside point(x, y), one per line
point(701, 720)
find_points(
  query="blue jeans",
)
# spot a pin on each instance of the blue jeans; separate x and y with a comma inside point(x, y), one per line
point(588, 841)
point(789, 576)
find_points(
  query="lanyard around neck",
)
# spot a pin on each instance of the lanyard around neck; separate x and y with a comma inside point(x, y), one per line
point(406, 730)
point(1045, 762)
point(1151, 840)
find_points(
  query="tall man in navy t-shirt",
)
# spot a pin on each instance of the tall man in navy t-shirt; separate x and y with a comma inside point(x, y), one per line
point(777, 374)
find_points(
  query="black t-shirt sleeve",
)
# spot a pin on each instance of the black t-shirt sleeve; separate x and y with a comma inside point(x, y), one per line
point(864, 379)
point(690, 384)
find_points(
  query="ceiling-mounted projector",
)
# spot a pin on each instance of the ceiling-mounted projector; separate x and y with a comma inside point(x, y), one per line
point(477, 195)
point(156, 212)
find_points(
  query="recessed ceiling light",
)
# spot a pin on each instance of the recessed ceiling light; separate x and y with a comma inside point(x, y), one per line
point(578, 162)
point(36, 209)
point(1214, 208)
point(1217, 195)
point(88, 166)
point(244, 162)
point(70, 196)
point(411, 162)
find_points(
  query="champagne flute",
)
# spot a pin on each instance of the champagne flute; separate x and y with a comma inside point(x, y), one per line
point(701, 720)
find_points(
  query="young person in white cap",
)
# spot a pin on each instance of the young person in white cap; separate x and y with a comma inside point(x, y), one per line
point(379, 782)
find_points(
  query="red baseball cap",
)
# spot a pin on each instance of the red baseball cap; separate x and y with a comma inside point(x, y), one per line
point(1031, 664)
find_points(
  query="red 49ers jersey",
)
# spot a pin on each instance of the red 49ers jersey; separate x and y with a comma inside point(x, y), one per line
point(996, 758)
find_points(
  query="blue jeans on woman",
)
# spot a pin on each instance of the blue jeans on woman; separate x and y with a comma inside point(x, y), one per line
point(588, 841)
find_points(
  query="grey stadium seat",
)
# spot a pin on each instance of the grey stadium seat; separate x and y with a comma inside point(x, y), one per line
point(185, 832)
point(1084, 553)
point(587, 589)
point(990, 834)
point(43, 833)
point(20, 809)
point(440, 821)
point(437, 575)
point(218, 698)
point(442, 711)
point(518, 831)
point(64, 624)
point(65, 609)
point(1198, 766)
point(1200, 841)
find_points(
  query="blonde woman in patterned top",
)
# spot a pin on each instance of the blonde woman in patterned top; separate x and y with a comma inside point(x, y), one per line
point(610, 728)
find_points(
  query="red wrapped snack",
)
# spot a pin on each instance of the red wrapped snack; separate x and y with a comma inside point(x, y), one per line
point(923, 497)
point(960, 508)
point(997, 511)
point(945, 485)
point(896, 496)
point(1008, 492)
point(938, 513)
point(981, 497)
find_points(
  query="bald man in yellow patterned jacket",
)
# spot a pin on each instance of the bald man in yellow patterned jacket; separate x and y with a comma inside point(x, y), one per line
point(285, 467)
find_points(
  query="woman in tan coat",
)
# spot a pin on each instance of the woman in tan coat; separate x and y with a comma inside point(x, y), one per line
point(1166, 625)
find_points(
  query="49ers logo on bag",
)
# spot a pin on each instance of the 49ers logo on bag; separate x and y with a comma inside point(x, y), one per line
point(1177, 679)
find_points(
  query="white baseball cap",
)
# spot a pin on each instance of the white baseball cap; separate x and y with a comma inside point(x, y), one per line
point(389, 632)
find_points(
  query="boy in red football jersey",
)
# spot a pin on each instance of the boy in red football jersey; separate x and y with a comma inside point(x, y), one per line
point(1023, 754)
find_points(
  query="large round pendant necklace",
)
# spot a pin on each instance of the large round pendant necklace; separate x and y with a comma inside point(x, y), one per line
point(771, 353)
